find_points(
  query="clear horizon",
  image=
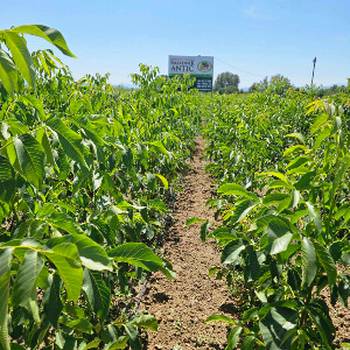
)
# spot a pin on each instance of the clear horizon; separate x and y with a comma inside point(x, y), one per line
point(253, 39)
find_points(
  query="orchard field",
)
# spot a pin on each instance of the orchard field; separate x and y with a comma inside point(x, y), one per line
point(163, 218)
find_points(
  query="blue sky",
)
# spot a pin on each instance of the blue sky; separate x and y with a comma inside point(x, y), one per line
point(251, 38)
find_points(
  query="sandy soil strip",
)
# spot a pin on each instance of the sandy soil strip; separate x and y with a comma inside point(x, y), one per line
point(182, 306)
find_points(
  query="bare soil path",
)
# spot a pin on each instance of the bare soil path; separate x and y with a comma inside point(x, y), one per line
point(181, 306)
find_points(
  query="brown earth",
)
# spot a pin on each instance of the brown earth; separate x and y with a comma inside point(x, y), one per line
point(182, 305)
point(341, 319)
point(340, 314)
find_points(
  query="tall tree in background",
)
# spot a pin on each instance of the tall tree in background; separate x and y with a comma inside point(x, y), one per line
point(277, 84)
point(260, 86)
point(226, 83)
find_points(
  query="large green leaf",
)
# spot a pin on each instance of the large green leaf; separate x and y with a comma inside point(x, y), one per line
point(70, 140)
point(305, 180)
point(26, 277)
point(21, 56)
point(278, 175)
point(297, 163)
point(232, 252)
point(248, 342)
point(31, 159)
point(159, 147)
point(275, 198)
point(233, 338)
point(92, 255)
point(276, 226)
point(233, 189)
point(6, 171)
point(43, 139)
point(52, 301)
point(65, 257)
point(281, 244)
point(309, 268)
point(242, 209)
point(319, 122)
point(277, 327)
point(285, 317)
point(8, 73)
point(319, 312)
point(7, 181)
point(97, 292)
point(322, 135)
point(63, 222)
point(314, 216)
point(138, 254)
point(252, 269)
point(5, 274)
point(52, 35)
point(326, 261)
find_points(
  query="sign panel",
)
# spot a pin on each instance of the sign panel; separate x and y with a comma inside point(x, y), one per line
point(201, 67)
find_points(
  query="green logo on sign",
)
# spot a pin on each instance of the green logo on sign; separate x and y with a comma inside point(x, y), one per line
point(204, 66)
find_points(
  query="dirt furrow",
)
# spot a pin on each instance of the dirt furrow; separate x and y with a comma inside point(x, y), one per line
point(182, 305)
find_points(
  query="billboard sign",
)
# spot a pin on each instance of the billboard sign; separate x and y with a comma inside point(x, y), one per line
point(201, 67)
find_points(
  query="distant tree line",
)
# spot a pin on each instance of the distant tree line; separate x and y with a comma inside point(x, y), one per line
point(320, 91)
point(277, 84)
point(227, 83)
